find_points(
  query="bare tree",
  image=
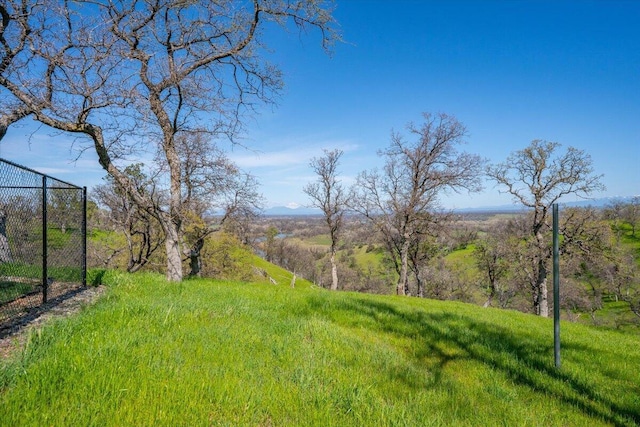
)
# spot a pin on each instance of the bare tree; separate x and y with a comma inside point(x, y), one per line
point(14, 39)
point(212, 183)
point(422, 249)
point(129, 76)
point(492, 255)
point(328, 194)
point(242, 206)
point(623, 212)
point(632, 214)
point(140, 229)
point(537, 177)
point(399, 199)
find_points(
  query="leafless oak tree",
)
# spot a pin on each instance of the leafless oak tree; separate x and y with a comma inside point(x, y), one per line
point(537, 177)
point(140, 229)
point(400, 199)
point(328, 194)
point(624, 212)
point(212, 184)
point(493, 255)
point(131, 76)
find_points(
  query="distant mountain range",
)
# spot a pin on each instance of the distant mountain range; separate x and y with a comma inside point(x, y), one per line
point(285, 211)
point(596, 203)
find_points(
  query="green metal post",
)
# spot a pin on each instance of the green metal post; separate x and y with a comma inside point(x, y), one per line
point(556, 288)
point(45, 273)
point(84, 237)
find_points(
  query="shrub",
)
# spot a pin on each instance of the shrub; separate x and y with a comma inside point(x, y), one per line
point(225, 257)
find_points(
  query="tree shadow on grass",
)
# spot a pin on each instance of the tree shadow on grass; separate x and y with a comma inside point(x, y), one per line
point(444, 337)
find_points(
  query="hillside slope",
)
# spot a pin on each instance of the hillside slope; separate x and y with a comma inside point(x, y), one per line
point(217, 353)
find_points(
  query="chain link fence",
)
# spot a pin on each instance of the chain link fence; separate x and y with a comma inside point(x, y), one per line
point(42, 241)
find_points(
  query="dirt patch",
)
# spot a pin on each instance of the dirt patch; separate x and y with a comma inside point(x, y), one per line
point(13, 337)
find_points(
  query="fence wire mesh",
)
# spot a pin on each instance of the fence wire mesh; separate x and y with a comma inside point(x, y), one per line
point(42, 241)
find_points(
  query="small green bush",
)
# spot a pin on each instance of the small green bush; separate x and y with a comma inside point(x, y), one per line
point(225, 257)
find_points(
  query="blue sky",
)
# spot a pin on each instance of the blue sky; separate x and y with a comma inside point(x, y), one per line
point(511, 71)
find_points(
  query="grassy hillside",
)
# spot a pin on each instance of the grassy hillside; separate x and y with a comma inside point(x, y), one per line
point(279, 274)
point(218, 353)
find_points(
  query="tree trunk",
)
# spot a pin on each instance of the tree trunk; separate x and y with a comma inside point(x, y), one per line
point(403, 281)
point(420, 285)
point(5, 251)
point(194, 263)
point(293, 280)
point(490, 298)
point(492, 291)
point(172, 246)
point(541, 303)
point(542, 296)
point(334, 271)
point(195, 260)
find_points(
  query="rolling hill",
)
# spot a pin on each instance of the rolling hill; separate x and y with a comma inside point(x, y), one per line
point(206, 352)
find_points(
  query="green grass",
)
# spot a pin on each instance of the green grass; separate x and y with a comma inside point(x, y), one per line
point(463, 258)
point(614, 315)
point(30, 276)
point(319, 240)
point(279, 274)
point(366, 258)
point(207, 352)
point(21, 270)
point(10, 290)
point(61, 274)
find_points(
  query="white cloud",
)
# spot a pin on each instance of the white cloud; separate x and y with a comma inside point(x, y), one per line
point(299, 152)
point(52, 171)
point(266, 160)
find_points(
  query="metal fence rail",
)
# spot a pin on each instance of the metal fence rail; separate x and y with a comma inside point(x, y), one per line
point(42, 240)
